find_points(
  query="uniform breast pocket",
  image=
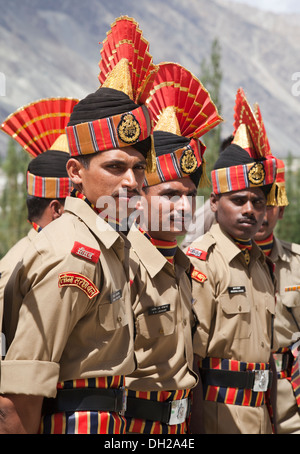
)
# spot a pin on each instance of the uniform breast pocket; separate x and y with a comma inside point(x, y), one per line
point(112, 315)
point(234, 317)
point(155, 325)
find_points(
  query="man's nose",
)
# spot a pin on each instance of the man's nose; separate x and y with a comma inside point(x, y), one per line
point(129, 180)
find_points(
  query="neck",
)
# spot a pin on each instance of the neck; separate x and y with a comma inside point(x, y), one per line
point(266, 244)
point(167, 248)
point(119, 226)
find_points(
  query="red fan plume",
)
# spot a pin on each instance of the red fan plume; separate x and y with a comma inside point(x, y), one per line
point(243, 114)
point(37, 125)
point(176, 88)
point(125, 42)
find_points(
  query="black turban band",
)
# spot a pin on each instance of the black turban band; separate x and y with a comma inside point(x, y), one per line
point(51, 163)
point(106, 102)
point(234, 155)
point(166, 143)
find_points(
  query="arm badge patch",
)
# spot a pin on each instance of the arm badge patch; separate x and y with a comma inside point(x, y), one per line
point(198, 276)
point(80, 281)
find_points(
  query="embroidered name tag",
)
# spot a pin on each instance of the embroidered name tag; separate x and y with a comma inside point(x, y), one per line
point(86, 252)
point(159, 309)
point(236, 289)
point(198, 253)
point(80, 281)
point(115, 296)
point(198, 276)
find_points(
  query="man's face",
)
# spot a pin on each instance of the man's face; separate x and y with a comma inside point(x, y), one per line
point(240, 213)
point(169, 209)
point(273, 214)
point(115, 175)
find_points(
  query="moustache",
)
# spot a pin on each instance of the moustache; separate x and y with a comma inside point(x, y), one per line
point(248, 220)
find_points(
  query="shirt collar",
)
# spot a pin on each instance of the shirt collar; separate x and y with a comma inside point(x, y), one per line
point(100, 228)
point(229, 248)
point(278, 252)
point(151, 258)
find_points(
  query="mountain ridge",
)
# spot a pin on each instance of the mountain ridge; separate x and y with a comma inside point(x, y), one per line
point(51, 48)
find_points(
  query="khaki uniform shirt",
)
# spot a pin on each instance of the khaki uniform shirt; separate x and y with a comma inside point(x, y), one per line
point(12, 257)
point(75, 318)
point(235, 305)
point(164, 319)
point(7, 265)
point(286, 257)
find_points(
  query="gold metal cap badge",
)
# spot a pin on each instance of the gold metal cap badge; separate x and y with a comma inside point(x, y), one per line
point(188, 161)
point(129, 129)
point(256, 174)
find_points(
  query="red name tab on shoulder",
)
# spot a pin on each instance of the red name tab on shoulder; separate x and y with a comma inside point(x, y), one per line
point(197, 253)
point(80, 281)
point(198, 276)
point(86, 252)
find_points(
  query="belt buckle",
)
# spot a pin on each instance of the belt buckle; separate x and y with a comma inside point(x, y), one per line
point(261, 380)
point(179, 409)
point(124, 401)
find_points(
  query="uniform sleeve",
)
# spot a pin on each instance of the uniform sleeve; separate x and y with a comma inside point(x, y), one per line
point(203, 287)
point(52, 295)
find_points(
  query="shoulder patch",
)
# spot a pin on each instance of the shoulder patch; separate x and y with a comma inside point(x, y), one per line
point(80, 281)
point(197, 253)
point(198, 276)
point(86, 252)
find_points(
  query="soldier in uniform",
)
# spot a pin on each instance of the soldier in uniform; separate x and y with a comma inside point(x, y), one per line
point(159, 390)
point(286, 257)
point(74, 340)
point(234, 288)
point(47, 180)
point(48, 183)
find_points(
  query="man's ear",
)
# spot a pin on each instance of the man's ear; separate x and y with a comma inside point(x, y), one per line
point(281, 212)
point(74, 169)
point(214, 199)
point(56, 209)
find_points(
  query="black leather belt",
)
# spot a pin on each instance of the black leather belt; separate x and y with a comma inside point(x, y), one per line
point(85, 399)
point(151, 410)
point(230, 378)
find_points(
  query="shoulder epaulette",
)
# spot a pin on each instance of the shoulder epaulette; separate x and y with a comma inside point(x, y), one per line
point(200, 249)
point(197, 253)
point(86, 252)
point(293, 247)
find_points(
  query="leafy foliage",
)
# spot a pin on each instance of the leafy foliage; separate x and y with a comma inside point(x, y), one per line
point(13, 218)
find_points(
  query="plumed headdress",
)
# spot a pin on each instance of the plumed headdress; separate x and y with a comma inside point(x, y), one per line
point(114, 116)
point(39, 128)
point(247, 162)
point(181, 111)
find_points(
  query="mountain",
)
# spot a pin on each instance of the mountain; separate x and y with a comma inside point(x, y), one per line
point(51, 48)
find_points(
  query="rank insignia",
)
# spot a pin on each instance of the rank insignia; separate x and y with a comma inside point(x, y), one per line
point(256, 174)
point(86, 252)
point(188, 161)
point(198, 276)
point(129, 129)
point(292, 288)
point(80, 281)
point(197, 253)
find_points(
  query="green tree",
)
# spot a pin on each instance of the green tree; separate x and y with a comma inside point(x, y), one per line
point(13, 219)
point(288, 228)
point(211, 77)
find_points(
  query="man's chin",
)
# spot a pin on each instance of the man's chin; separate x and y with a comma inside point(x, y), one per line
point(260, 236)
